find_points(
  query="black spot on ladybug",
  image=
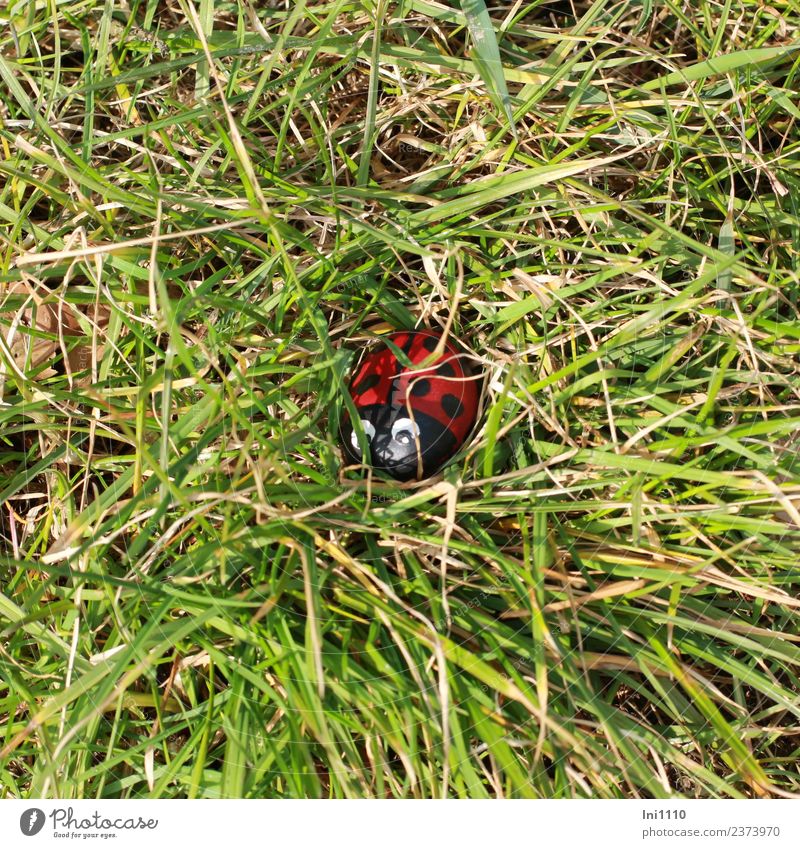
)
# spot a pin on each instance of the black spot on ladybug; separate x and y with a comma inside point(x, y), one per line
point(452, 406)
point(429, 343)
point(446, 370)
point(406, 344)
point(421, 388)
point(369, 382)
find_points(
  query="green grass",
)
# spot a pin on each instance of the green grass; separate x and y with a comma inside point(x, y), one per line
point(204, 217)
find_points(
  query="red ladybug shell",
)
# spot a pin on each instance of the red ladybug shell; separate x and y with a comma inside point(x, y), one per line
point(414, 419)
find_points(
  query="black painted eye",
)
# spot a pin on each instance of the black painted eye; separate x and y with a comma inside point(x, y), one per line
point(404, 431)
point(369, 432)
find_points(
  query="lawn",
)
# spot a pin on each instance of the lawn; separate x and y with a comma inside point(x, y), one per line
point(208, 210)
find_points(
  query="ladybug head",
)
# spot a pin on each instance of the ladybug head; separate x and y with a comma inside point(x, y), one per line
point(397, 442)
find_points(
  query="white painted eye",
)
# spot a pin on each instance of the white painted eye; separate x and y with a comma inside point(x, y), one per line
point(369, 432)
point(404, 431)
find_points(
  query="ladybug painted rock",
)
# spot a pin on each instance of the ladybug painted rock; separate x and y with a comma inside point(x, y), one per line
point(414, 419)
